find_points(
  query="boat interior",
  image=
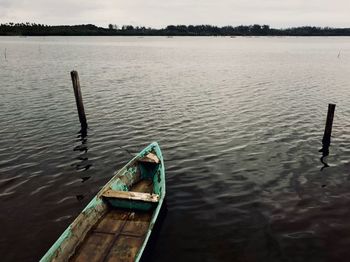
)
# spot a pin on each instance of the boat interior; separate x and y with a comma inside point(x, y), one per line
point(120, 232)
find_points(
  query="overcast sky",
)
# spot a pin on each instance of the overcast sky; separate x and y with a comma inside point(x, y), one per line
point(159, 13)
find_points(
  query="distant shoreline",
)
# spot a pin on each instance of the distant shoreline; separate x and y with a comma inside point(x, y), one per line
point(167, 36)
point(31, 29)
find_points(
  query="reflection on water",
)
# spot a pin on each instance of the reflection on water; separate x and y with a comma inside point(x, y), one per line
point(325, 153)
point(84, 163)
point(238, 120)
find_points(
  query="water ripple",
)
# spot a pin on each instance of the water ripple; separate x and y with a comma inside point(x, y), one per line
point(240, 122)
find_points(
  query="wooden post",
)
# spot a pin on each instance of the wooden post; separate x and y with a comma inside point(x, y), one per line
point(326, 141)
point(79, 100)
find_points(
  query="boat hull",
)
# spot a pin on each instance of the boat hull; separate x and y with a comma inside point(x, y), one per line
point(122, 220)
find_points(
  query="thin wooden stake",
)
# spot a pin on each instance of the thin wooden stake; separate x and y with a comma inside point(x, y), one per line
point(79, 100)
point(326, 141)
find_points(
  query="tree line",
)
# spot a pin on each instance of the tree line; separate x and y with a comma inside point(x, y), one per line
point(33, 29)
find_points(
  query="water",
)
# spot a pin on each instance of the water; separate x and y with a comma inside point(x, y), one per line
point(239, 120)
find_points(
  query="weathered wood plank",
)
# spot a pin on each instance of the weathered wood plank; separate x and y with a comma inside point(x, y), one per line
point(79, 100)
point(94, 248)
point(125, 249)
point(118, 236)
point(150, 158)
point(326, 141)
point(78, 231)
point(112, 222)
point(137, 224)
point(139, 196)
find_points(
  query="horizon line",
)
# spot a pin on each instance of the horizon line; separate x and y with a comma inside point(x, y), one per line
point(179, 24)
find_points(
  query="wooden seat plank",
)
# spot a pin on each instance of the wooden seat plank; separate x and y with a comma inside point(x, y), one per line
point(138, 196)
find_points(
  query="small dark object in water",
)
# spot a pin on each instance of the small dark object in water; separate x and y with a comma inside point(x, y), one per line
point(85, 178)
point(80, 197)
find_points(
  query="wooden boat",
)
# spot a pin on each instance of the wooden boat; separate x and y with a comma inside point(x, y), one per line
point(116, 225)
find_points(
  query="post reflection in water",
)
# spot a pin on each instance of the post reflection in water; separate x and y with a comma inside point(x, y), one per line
point(325, 153)
point(85, 164)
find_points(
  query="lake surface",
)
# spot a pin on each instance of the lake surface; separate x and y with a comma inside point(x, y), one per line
point(240, 122)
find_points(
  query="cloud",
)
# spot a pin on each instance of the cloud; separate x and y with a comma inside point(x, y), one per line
point(158, 13)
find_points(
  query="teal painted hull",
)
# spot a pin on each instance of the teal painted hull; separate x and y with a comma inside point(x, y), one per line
point(67, 244)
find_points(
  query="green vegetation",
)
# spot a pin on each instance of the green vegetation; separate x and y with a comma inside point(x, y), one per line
point(32, 29)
